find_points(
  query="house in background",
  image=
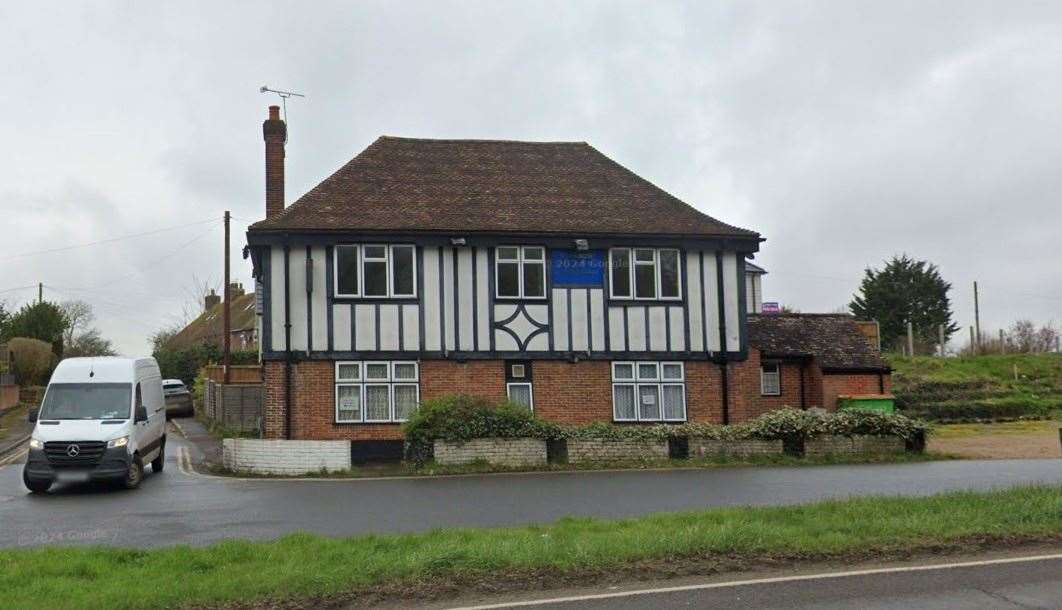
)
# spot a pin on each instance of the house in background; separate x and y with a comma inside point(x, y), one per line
point(543, 272)
point(754, 287)
point(209, 329)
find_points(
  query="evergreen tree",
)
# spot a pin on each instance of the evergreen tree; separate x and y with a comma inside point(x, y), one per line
point(44, 321)
point(905, 290)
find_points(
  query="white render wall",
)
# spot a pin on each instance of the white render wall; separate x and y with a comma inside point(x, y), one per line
point(261, 456)
point(455, 307)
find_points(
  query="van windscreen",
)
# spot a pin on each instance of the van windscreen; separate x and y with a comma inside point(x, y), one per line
point(87, 401)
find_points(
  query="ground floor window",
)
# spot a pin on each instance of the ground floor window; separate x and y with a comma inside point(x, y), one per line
point(770, 379)
point(376, 391)
point(648, 391)
point(518, 385)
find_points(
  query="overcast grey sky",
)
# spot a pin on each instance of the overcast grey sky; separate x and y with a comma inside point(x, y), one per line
point(845, 132)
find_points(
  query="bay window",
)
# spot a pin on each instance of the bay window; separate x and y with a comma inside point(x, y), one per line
point(376, 392)
point(645, 273)
point(375, 271)
point(648, 391)
point(520, 272)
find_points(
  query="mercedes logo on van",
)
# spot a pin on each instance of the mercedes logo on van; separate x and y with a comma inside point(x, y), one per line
point(73, 450)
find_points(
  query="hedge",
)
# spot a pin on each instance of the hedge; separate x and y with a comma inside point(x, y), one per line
point(460, 418)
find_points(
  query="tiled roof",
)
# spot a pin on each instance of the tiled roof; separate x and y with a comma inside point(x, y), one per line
point(833, 339)
point(209, 326)
point(491, 186)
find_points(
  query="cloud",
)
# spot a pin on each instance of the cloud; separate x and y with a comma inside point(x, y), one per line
point(844, 132)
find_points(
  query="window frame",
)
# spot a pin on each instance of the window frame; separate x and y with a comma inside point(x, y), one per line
point(520, 261)
point(637, 381)
point(389, 258)
point(530, 391)
point(658, 277)
point(363, 382)
point(778, 378)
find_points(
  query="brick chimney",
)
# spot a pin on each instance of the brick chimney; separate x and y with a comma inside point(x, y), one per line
point(275, 133)
point(211, 300)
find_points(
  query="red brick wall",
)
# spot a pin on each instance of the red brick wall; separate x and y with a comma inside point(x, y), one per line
point(575, 393)
point(479, 377)
point(835, 384)
point(273, 379)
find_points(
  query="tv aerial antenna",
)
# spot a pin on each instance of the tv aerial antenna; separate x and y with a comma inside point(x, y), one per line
point(284, 95)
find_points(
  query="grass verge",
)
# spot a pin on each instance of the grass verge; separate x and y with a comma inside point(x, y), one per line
point(303, 570)
point(405, 469)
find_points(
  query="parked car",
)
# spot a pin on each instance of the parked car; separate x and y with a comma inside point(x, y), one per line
point(101, 419)
point(178, 398)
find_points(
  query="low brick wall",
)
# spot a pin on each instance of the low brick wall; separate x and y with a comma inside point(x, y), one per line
point(853, 445)
point(283, 456)
point(495, 451)
point(612, 450)
point(704, 447)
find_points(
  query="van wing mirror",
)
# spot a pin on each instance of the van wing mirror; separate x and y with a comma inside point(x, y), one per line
point(141, 414)
point(32, 415)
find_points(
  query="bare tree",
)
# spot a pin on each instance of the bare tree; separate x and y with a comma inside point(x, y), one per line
point(195, 291)
point(79, 318)
point(80, 338)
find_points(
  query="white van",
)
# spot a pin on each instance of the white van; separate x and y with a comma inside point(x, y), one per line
point(101, 419)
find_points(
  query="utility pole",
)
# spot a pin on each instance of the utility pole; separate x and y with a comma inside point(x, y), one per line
point(910, 339)
point(940, 331)
point(977, 317)
point(40, 292)
point(227, 354)
point(1002, 342)
point(973, 346)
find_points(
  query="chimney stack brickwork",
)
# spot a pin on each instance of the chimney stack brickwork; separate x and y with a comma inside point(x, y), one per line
point(275, 133)
point(211, 300)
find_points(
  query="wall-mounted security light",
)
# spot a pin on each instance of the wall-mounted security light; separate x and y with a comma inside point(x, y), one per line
point(457, 241)
point(582, 244)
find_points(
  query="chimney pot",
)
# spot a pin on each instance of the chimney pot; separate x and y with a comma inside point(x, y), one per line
point(274, 113)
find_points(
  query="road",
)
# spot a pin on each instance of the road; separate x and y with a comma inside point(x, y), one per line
point(188, 508)
point(1011, 583)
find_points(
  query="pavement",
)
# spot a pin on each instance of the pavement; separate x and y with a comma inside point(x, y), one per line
point(185, 507)
point(1005, 583)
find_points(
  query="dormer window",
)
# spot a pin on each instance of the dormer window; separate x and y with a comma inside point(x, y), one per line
point(520, 272)
point(375, 271)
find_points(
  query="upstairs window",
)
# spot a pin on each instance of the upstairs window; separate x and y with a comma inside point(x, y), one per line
point(520, 272)
point(770, 379)
point(645, 273)
point(375, 271)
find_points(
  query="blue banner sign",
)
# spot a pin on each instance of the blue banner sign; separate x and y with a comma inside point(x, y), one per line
point(577, 269)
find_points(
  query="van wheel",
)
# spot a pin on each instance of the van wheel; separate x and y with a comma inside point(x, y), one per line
point(37, 487)
point(135, 473)
point(159, 462)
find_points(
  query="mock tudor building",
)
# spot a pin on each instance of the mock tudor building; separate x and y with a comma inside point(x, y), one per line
point(543, 272)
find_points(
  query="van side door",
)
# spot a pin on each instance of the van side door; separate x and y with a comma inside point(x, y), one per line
point(156, 406)
point(141, 433)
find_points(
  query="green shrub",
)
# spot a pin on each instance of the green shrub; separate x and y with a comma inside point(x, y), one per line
point(459, 418)
point(32, 360)
point(462, 418)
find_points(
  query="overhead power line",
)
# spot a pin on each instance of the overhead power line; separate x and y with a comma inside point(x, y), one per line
point(109, 240)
